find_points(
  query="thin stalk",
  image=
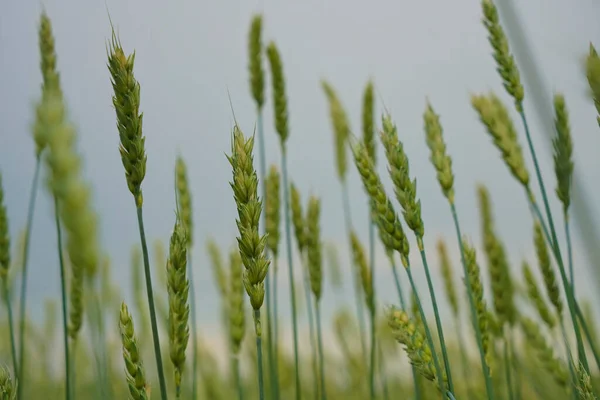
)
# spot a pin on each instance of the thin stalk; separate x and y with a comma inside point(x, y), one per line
point(259, 361)
point(436, 313)
point(63, 293)
point(436, 361)
point(23, 299)
point(94, 316)
point(356, 279)
point(263, 171)
point(194, 327)
point(507, 372)
point(403, 305)
point(382, 374)
point(373, 337)
point(572, 375)
point(569, 251)
point(150, 293)
point(321, 357)
point(275, 330)
point(311, 324)
point(516, 369)
point(485, 368)
point(238, 379)
point(463, 357)
point(372, 363)
point(588, 335)
point(288, 239)
point(567, 287)
point(13, 349)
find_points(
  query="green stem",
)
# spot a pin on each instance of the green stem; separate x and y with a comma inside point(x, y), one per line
point(194, 326)
point(311, 323)
point(574, 380)
point(356, 279)
point(485, 368)
point(13, 349)
point(436, 361)
point(588, 335)
point(436, 313)
point(150, 293)
point(259, 361)
point(321, 356)
point(275, 330)
point(517, 370)
point(23, 299)
point(373, 337)
point(238, 378)
point(567, 287)
point(288, 239)
point(507, 372)
point(63, 292)
point(463, 356)
point(569, 251)
point(382, 373)
point(372, 363)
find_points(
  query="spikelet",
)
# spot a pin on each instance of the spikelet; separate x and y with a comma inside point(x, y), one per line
point(314, 246)
point(494, 115)
point(8, 388)
point(50, 75)
point(184, 199)
point(563, 152)
point(382, 211)
point(505, 62)
point(126, 101)
point(368, 121)
point(134, 369)
point(341, 129)
point(257, 75)
point(439, 156)
point(546, 269)
point(249, 207)
point(273, 210)
point(218, 267)
point(179, 307)
point(481, 310)
point(592, 71)
point(415, 345)
point(360, 260)
point(298, 218)
point(498, 267)
point(548, 361)
point(534, 294)
point(73, 196)
point(4, 240)
point(447, 274)
point(237, 321)
point(584, 384)
point(280, 112)
point(405, 189)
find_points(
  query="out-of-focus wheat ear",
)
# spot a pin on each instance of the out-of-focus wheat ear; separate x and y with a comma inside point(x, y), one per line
point(341, 129)
point(314, 246)
point(498, 266)
point(368, 121)
point(360, 260)
point(563, 152)
point(134, 368)
point(536, 297)
point(8, 385)
point(179, 307)
point(494, 116)
point(549, 362)
point(438, 154)
point(546, 269)
point(218, 267)
point(420, 354)
point(298, 218)
point(237, 315)
point(273, 210)
point(255, 48)
point(584, 384)
point(592, 71)
point(279, 95)
point(448, 275)
point(505, 62)
point(126, 100)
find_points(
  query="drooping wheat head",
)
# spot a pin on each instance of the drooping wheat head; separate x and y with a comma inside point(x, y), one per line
point(134, 368)
point(126, 100)
point(438, 153)
point(341, 129)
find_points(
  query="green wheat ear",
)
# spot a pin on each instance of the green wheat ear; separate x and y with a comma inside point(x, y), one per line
point(8, 388)
point(341, 128)
point(563, 152)
point(257, 76)
point(592, 70)
point(273, 210)
point(368, 120)
point(136, 377)
point(184, 198)
point(535, 295)
point(505, 62)
point(447, 274)
point(237, 317)
point(584, 384)
point(279, 96)
point(314, 246)
point(360, 260)
point(126, 100)
point(546, 269)
point(439, 156)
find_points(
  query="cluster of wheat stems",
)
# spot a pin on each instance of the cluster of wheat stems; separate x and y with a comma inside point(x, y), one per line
point(545, 348)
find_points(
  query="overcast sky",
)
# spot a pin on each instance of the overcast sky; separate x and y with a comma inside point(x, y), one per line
point(189, 54)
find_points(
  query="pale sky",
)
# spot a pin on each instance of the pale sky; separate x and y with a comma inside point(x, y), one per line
point(189, 54)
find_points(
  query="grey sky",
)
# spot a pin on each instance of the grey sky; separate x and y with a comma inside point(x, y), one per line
point(189, 53)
